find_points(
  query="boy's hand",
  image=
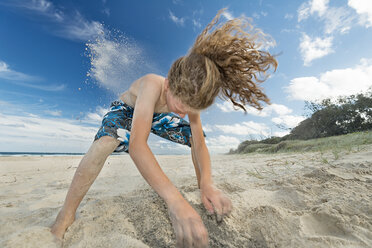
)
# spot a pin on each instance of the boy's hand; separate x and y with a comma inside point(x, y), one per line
point(188, 226)
point(215, 201)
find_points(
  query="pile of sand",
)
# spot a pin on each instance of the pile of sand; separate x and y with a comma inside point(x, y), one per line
point(283, 200)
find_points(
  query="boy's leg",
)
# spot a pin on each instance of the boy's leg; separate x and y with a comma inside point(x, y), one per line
point(85, 174)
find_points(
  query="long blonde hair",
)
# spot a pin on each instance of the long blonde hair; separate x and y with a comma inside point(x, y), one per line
point(226, 62)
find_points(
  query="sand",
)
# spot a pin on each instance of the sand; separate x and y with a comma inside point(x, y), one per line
point(281, 200)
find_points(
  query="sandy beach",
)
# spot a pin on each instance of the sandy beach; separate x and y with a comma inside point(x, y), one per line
point(282, 200)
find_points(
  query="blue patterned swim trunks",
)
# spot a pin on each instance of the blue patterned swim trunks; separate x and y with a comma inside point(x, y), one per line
point(117, 123)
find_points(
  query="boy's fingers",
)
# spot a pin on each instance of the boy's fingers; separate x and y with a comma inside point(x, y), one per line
point(179, 236)
point(219, 218)
point(179, 242)
point(218, 209)
point(200, 235)
point(227, 206)
point(208, 205)
point(187, 238)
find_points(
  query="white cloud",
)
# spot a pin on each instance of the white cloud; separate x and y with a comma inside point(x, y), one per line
point(364, 10)
point(303, 12)
point(216, 145)
point(227, 106)
point(117, 61)
point(7, 73)
point(268, 110)
point(177, 2)
point(43, 7)
point(196, 15)
point(51, 87)
point(333, 83)
point(312, 7)
point(267, 44)
point(288, 16)
point(221, 144)
point(289, 121)
point(39, 5)
point(78, 28)
point(338, 20)
point(281, 133)
point(69, 26)
point(228, 15)
point(258, 15)
point(307, 88)
point(36, 133)
point(314, 48)
point(175, 19)
point(334, 20)
point(196, 23)
point(25, 80)
point(280, 109)
point(95, 117)
point(53, 112)
point(245, 128)
point(319, 6)
point(105, 9)
point(167, 147)
point(207, 128)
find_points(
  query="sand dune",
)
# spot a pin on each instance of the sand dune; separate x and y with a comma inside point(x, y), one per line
point(282, 200)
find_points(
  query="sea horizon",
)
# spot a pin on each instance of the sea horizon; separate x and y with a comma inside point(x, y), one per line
point(4, 154)
point(44, 154)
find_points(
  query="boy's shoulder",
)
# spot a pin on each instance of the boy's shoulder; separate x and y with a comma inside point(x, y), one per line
point(150, 87)
point(153, 76)
point(151, 79)
point(148, 79)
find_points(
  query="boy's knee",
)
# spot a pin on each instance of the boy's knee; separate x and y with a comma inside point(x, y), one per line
point(107, 142)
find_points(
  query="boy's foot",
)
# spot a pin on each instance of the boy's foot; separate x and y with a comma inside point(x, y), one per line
point(60, 225)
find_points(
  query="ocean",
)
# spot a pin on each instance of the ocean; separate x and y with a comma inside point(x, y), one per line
point(24, 154)
point(43, 154)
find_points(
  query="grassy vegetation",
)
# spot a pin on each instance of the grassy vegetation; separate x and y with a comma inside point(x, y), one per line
point(335, 144)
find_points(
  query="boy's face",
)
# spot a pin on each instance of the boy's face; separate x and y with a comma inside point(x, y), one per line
point(174, 104)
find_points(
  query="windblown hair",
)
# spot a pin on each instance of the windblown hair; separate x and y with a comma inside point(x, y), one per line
point(226, 62)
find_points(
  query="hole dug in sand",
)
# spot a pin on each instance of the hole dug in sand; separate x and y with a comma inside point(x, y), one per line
point(142, 217)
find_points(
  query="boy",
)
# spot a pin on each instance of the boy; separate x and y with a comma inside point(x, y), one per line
point(225, 62)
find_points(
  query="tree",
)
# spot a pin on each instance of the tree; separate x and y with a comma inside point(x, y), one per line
point(335, 117)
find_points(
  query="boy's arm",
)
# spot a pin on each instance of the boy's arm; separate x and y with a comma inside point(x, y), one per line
point(187, 224)
point(202, 154)
point(213, 199)
point(139, 150)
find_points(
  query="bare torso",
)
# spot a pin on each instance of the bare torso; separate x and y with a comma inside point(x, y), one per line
point(130, 96)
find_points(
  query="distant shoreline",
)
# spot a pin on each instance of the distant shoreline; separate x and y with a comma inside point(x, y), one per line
point(51, 154)
point(25, 154)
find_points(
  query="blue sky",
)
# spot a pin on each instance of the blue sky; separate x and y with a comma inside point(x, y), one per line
point(63, 62)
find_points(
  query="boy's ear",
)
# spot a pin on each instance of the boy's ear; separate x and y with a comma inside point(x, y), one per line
point(166, 83)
